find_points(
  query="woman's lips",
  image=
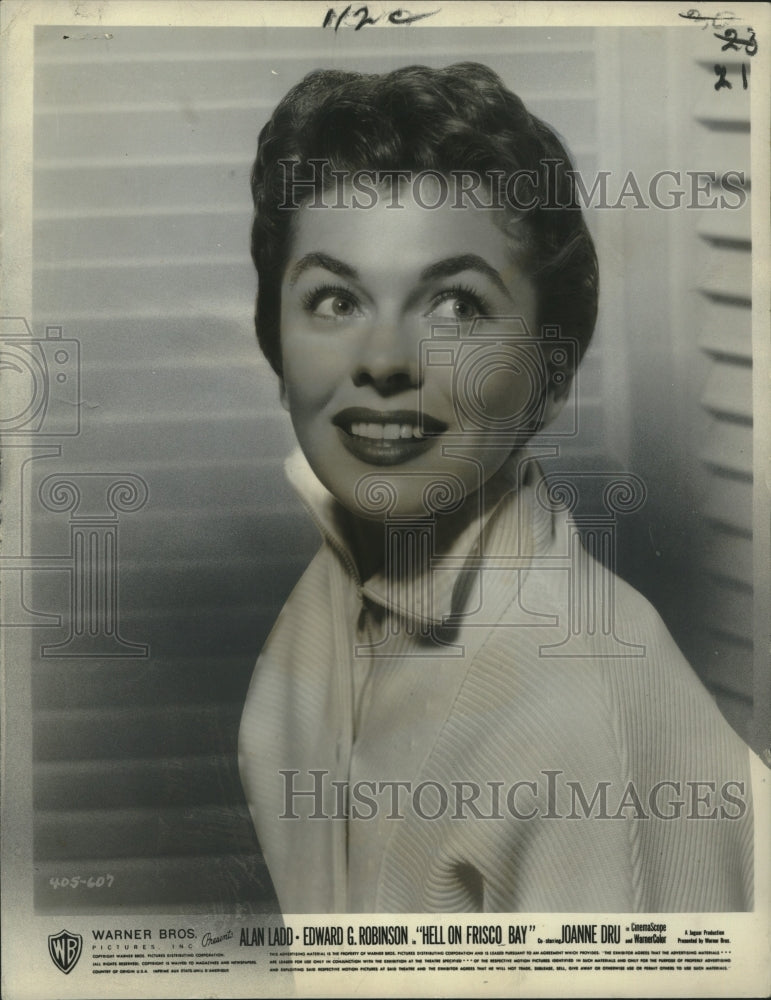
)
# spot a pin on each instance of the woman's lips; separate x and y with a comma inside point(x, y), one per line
point(386, 437)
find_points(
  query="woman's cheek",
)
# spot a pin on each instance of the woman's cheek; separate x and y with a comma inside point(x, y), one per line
point(311, 374)
point(501, 400)
point(511, 395)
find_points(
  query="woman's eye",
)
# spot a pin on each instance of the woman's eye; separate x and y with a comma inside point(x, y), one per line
point(334, 306)
point(461, 308)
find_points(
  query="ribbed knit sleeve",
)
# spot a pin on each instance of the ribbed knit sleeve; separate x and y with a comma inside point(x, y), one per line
point(701, 858)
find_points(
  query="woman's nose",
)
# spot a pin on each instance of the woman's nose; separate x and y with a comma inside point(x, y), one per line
point(389, 359)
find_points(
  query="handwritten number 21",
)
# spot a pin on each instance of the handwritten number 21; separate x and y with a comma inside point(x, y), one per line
point(721, 73)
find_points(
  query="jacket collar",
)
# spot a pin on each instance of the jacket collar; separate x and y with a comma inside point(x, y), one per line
point(436, 588)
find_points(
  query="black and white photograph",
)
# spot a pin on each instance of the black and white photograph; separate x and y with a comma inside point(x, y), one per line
point(386, 551)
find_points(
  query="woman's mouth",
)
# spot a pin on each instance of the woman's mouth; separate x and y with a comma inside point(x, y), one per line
point(386, 437)
point(386, 432)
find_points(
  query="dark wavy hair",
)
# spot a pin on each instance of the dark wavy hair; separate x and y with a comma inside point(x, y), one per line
point(460, 118)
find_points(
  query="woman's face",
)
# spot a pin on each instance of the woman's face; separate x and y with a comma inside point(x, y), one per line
point(409, 353)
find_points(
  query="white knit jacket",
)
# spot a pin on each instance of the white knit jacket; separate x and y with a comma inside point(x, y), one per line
point(542, 756)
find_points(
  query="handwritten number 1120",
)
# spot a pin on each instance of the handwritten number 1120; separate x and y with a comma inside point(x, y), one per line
point(361, 17)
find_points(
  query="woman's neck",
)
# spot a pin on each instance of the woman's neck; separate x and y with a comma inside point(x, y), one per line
point(371, 540)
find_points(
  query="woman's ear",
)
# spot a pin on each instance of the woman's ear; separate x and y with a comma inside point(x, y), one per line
point(556, 396)
point(282, 393)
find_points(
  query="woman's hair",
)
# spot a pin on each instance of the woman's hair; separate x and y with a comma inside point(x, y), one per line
point(461, 118)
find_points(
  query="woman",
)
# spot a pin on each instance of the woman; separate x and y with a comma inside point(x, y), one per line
point(426, 730)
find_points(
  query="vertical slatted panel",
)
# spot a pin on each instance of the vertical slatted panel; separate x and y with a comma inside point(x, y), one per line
point(143, 145)
point(679, 282)
point(722, 277)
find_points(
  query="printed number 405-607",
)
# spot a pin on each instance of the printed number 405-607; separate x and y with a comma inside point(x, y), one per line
point(90, 882)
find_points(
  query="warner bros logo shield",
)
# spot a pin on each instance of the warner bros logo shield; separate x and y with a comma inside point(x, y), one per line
point(64, 949)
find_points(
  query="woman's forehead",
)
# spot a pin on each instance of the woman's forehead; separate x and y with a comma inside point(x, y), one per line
point(400, 236)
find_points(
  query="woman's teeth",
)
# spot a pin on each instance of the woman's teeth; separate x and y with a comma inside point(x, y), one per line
point(386, 432)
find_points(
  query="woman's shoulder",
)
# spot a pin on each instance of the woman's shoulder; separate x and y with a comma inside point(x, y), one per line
point(582, 651)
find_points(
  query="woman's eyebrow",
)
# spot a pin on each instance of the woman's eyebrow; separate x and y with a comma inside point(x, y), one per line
point(332, 264)
point(449, 266)
point(445, 268)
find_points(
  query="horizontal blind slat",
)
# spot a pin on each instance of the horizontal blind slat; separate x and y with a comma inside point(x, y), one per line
point(154, 833)
point(729, 390)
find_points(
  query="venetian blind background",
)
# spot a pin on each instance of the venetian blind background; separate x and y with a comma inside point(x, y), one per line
point(143, 146)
